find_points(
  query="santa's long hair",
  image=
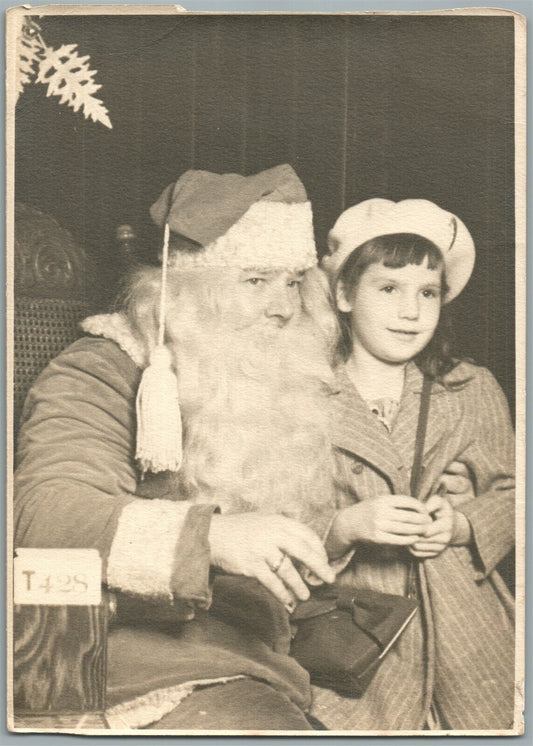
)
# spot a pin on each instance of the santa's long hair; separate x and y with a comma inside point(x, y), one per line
point(254, 401)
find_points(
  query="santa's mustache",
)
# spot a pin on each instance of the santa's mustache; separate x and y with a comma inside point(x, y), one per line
point(273, 323)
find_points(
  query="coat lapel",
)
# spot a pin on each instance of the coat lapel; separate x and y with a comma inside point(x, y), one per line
point(356, 430)
point(403, 432)
point(405, 426)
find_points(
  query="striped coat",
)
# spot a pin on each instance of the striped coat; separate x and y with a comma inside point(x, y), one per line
point(456, 658)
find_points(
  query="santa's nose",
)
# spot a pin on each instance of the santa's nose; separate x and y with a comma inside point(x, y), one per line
point(280, 306)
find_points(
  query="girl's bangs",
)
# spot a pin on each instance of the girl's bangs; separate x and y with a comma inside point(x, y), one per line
point(398, 250)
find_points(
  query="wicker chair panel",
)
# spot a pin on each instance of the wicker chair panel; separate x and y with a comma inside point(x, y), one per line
point(43, 327)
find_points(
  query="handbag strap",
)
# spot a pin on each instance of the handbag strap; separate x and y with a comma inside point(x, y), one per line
point(421, 428)
point(416, 472)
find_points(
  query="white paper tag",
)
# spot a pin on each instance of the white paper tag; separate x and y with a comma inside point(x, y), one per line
point(57, 577)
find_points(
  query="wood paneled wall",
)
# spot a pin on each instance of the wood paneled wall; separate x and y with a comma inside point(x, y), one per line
point(360, 106)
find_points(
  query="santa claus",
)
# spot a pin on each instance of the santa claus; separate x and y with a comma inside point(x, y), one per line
point(207, 393)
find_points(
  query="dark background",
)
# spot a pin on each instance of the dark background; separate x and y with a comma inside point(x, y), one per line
point(388, 106)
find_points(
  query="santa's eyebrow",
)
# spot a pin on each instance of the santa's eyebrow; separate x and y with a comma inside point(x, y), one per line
point(258, 270)
point(298, 274)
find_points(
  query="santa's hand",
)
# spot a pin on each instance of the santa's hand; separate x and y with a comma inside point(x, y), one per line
point(389, 519)
point(439, 534)
point(456, 482)
point(261, 547)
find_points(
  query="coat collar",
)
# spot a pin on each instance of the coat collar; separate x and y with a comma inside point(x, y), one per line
point(116, 327)
point(356, 430)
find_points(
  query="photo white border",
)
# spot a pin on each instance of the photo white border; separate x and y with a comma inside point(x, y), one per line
point(521, 204)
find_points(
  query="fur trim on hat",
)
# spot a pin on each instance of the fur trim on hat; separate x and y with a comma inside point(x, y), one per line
point(270, 235)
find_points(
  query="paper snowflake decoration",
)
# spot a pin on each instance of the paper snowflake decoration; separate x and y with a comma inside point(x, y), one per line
point(63, 71)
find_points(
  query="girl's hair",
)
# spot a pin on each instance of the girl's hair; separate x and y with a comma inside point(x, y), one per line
point(398, 250)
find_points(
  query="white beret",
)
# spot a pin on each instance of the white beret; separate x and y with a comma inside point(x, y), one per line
point(382, 217)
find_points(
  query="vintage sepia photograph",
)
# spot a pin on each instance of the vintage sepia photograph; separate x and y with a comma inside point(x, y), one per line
point(266, 372)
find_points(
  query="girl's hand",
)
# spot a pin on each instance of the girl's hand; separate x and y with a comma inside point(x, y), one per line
point(261, 547)
point(439, 534)
point(390, 519)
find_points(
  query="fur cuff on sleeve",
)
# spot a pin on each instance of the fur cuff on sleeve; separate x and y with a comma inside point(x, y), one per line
point(142, 555)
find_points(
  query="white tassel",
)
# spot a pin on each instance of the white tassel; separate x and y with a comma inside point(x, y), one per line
point(159, 431)
point(159, 436)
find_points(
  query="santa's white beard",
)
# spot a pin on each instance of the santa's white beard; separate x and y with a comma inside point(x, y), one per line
point(254, 407)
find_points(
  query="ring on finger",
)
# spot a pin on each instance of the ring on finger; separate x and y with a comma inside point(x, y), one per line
point(276, 566)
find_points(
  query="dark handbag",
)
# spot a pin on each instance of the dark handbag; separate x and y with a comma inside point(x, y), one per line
point(344, 633)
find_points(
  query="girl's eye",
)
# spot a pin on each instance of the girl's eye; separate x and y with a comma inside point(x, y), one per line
point(430, 293)
point(387, 289)
point(255, 280)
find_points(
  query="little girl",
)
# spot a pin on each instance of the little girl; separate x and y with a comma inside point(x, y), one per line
point(392, 267)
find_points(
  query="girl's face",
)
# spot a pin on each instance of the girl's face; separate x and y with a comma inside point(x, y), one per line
point(393, 311)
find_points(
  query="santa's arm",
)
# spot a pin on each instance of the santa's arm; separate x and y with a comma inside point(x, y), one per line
point(490, 458)
point(75, 483)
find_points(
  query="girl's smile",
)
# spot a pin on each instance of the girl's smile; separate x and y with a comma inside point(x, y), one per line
point(394, 310)
point(401, 333)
